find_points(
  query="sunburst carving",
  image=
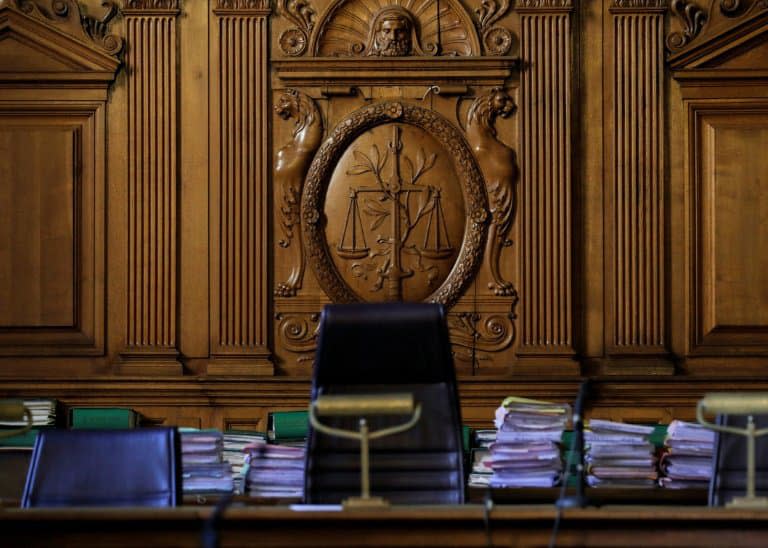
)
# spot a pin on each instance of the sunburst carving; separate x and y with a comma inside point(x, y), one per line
point(443, 27)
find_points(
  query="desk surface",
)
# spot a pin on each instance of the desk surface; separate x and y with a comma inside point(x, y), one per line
point(465, 526)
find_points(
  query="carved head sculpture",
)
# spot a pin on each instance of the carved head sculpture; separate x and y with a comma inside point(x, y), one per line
point(392, 33)
point(293, 104)
point(486, 108)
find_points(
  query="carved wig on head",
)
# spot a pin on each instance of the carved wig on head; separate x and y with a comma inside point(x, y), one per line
point(393, 33)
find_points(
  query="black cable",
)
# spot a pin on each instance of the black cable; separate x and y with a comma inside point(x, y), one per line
point(210, 533)
point(576, 450)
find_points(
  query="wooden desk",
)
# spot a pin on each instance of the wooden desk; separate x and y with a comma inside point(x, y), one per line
point(464, 526)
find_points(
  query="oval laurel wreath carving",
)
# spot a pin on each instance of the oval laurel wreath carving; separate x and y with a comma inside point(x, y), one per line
point(329, 154)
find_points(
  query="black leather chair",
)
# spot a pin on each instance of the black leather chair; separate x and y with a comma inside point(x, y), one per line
point(388, 348)
point(729, 464)
point(139, 467)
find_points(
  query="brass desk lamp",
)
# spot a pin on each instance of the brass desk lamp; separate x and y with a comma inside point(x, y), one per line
point(737, 403)
point(14, 410)
point(364, 406)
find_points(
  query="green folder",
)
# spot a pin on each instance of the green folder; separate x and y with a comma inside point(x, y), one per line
point(103, 418)
point(287, 425)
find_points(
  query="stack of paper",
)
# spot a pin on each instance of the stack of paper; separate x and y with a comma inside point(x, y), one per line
point(275, 471)
point(43, 413)
point(202, 466)
point(526, 452)
point(619, 455)
point(481, 471)
point(233, 452)
point(687, 458)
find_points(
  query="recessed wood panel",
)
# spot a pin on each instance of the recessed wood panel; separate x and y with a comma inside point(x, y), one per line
point(51, 248)
point(732, 205)
point(37, 237)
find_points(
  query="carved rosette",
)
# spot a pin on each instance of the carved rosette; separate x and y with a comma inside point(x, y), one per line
point(496, 40)
point(293, 41)
point(68, 15)
point(329, 154)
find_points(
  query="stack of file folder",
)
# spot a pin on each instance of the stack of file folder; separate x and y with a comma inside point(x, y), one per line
point(527, 452)
point(686, 461)
point(235, 453)
point(275, 471)
point(619, 455)
point(204, 470)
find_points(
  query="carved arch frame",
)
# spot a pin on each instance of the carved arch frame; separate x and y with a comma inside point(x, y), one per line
point(471, 182)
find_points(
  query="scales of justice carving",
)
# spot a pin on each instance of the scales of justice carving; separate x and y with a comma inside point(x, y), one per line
point(408, 206)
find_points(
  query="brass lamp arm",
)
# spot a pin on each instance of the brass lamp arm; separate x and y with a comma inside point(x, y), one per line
point(723, 428)
point(347, 434)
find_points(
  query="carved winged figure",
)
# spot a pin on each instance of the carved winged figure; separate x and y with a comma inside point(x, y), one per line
point(291, 165)
point(498, 165)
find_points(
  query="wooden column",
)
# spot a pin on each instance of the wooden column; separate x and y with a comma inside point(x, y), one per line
point(635, 319)
point(239, 176)
point(151, 331)
point(546, 295)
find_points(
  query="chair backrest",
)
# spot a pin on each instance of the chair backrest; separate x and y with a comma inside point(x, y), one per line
point(729, 463)
point(139, 467)
point(386, 348)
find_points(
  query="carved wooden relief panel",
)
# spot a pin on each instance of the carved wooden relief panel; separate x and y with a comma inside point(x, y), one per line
point(55, 67)
point(395, 172)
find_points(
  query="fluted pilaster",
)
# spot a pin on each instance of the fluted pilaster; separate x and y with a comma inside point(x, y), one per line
point(239, 295)
point(636, 321)
point(546, 295)
point(151, 330)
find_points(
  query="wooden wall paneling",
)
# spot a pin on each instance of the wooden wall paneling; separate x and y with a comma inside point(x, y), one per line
point(240, 167)
point(55, 69)
point(151, 61)
point(635, 319)
point(719, 62)
point(546, 268)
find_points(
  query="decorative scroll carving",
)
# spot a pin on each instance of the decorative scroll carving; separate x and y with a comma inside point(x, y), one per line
point(475, 336)
point(497, 162)
point(496, 40)
point(294, 41)
point(730, 7)
point(489, 333)
point(692, 18)
point(291, 166)
point(69, 16)
point(319, 177)
point(352, 28)
point(297, 332)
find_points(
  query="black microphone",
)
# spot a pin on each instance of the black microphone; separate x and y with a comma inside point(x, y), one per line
point(576, 454)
